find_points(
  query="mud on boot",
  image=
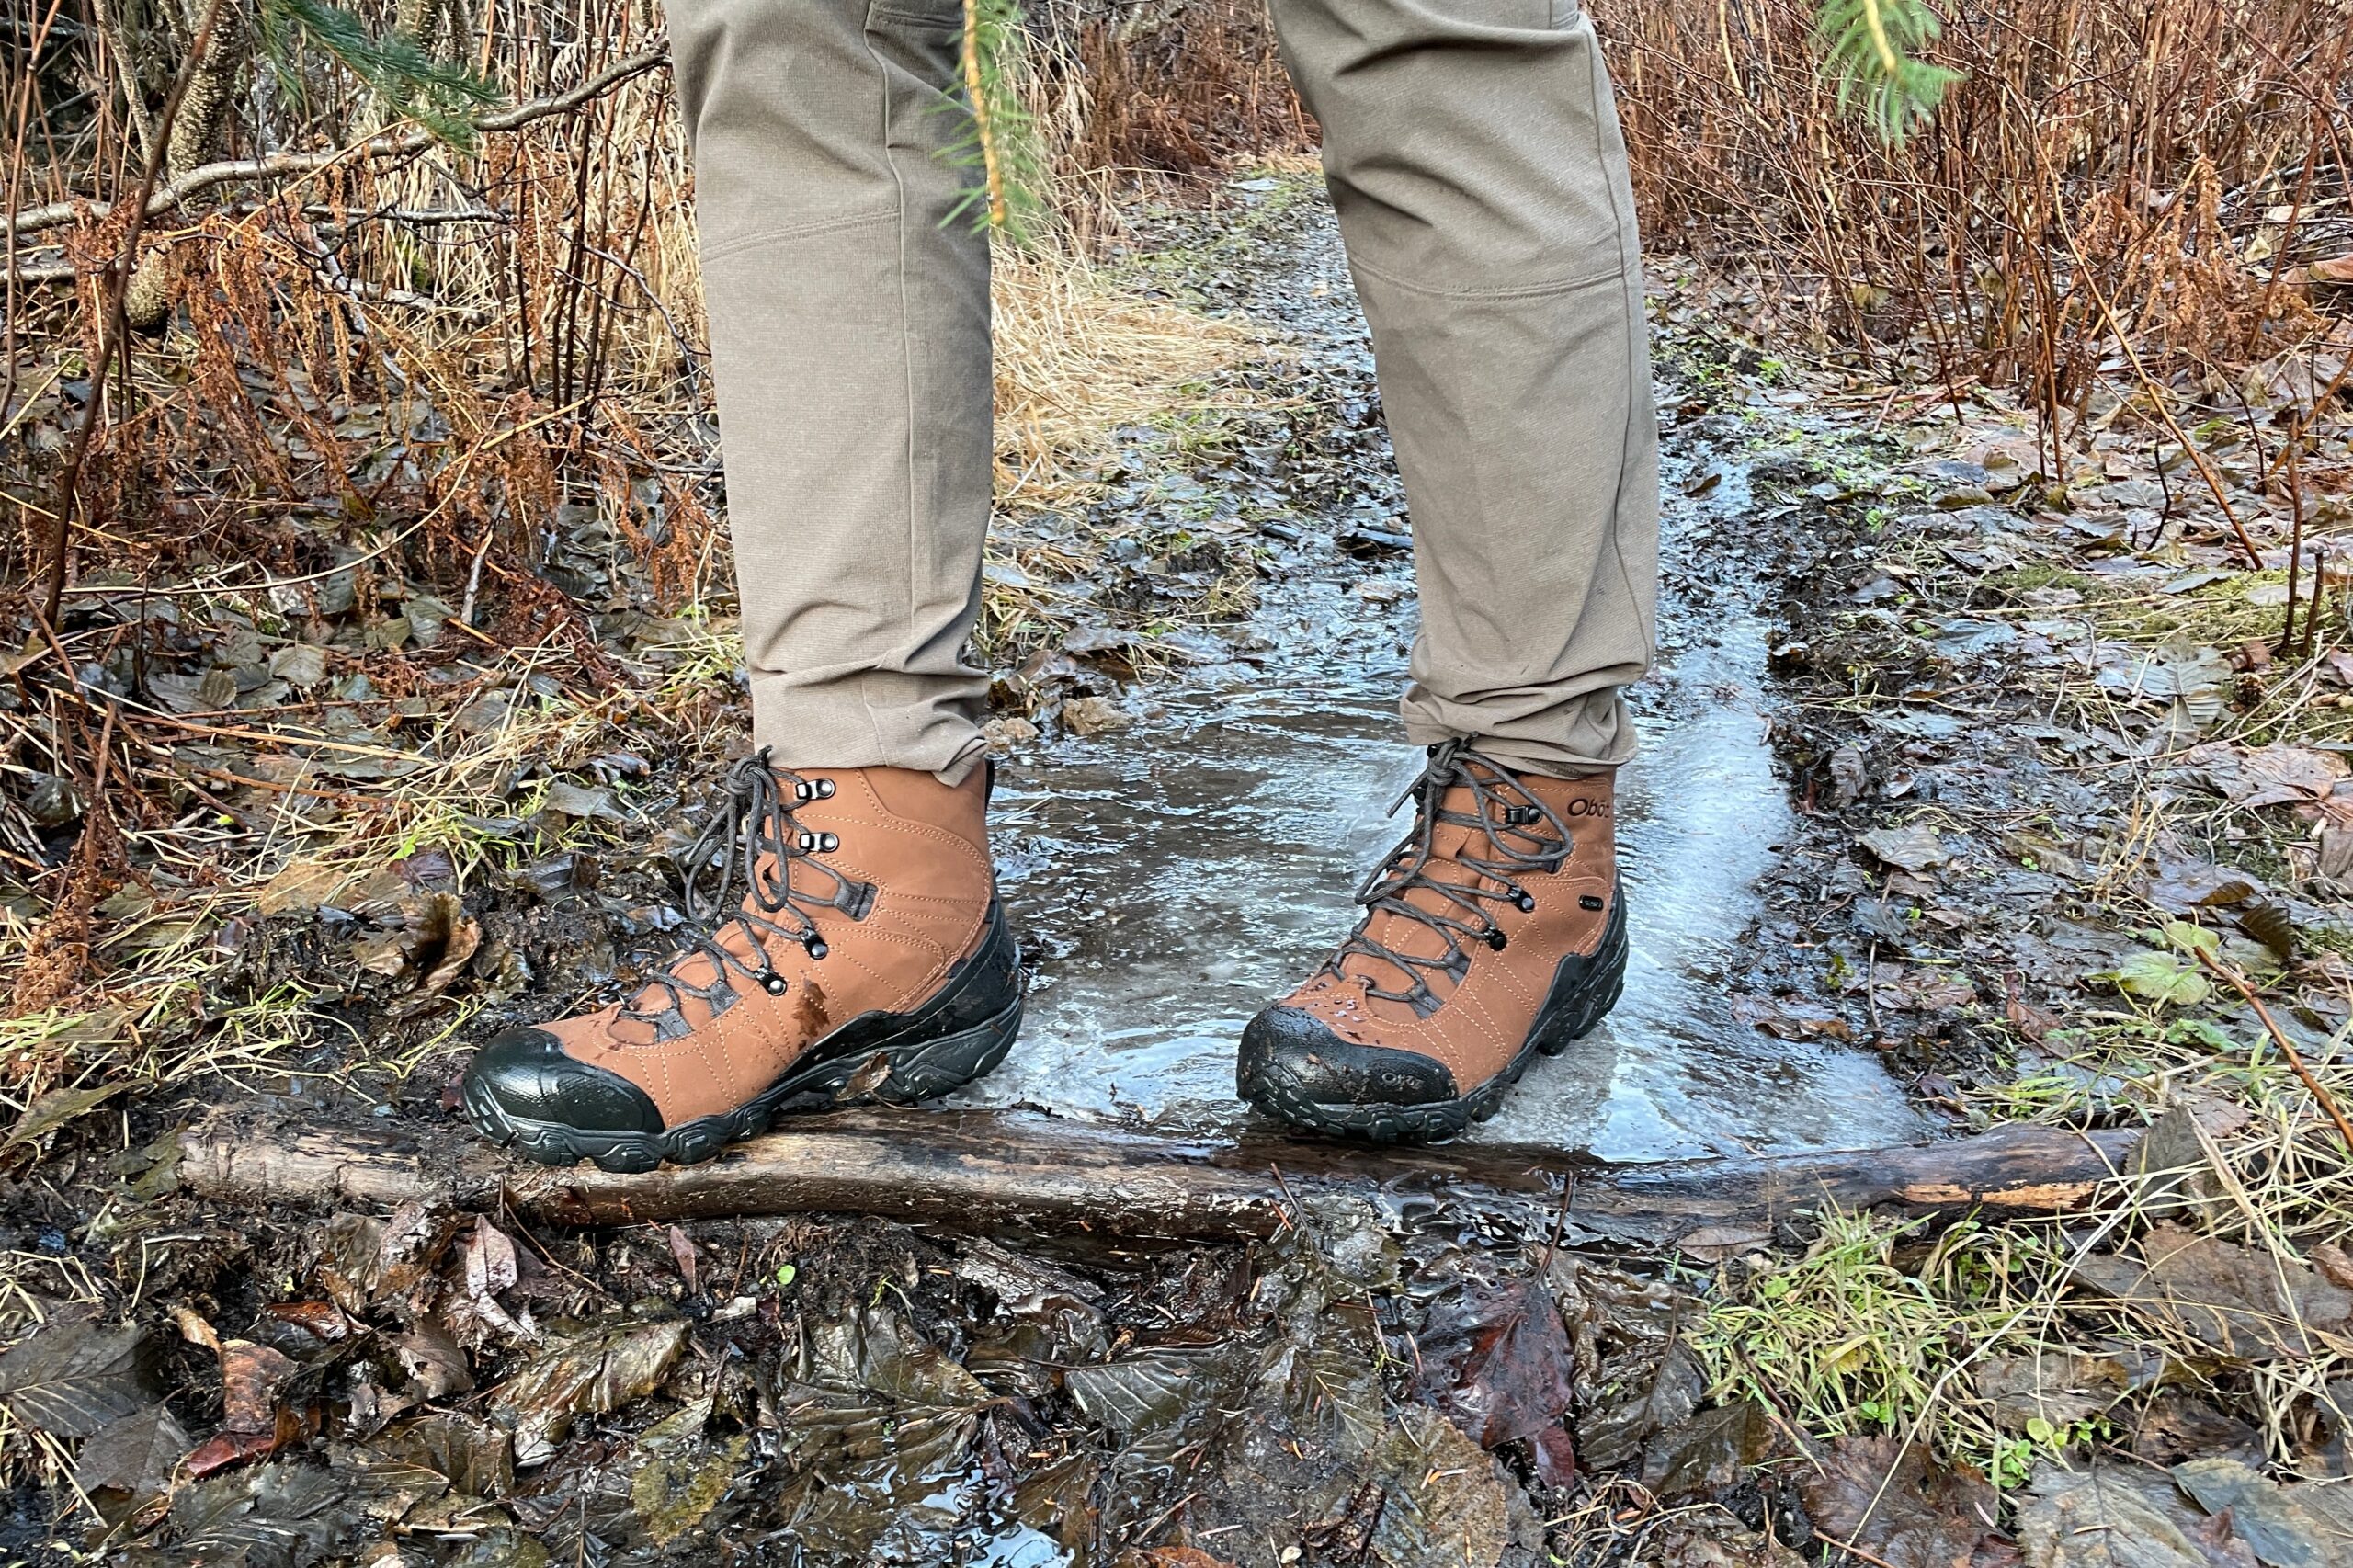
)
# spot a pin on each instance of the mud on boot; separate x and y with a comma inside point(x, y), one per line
point(1495, 932)
point(849, 927)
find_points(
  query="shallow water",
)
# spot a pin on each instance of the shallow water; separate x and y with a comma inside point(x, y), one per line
point(1174, 877)
point(1178, 876)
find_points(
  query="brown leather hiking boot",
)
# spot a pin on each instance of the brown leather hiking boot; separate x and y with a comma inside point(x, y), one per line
point(867, 927)
point(1495, 931)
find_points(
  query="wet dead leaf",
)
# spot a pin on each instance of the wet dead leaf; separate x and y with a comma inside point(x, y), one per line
point(55, 1109)
point(886, 1418)
point(1910, 848)
point(1331, 1394)
point(250, 1378)
point(436, 1453)
point(72, 1380)
point(2056, 1386)
point(683, 1477)
point(322, 1321)
point(2230, 1298)
point(2111, 1516)
point(1142, 1395)
point(2185, 883)
point(578, 801)
point(1497, 1360)
point(1904, 1507)
point(1442, 1502)
point(135, 1456)
point(434, 1360)
point(592, 1373)
point(284, 1515)
point(253, 1421)
point(299, 664)
point(349, 1265)
point(490, 1268)
point(2304, 1526)
point(1708, 1454)
point(1057, 1501)
point(1660, 1394)
point(2178, 1427)
point(2170, 1167)
point(2274, 775)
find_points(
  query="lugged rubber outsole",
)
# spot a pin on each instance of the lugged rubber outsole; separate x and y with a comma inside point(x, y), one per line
point(1271, 1088)
point(920, 1070)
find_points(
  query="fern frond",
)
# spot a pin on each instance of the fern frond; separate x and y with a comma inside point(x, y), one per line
point(1869, 54)
point(1000, 144)
point(440, 96)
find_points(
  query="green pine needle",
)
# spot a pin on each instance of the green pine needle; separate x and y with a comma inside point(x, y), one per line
point(1870, 52)
point(440, 97)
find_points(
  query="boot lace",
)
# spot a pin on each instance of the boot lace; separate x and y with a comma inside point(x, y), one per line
point(739, 873)
point(1504, 810)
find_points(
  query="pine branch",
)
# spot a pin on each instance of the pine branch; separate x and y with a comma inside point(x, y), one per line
point(1869, 51)
point(437, 95)
point(1001, 142)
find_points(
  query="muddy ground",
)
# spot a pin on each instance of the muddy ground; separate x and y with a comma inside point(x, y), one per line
point(1961, 801)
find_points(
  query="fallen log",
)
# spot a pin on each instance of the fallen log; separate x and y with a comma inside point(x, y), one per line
point(975, 1169)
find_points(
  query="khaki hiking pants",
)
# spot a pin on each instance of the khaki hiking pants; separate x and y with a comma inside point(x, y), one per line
point(1472, 151)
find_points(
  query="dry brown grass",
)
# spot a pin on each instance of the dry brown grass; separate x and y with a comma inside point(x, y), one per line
point(2110, 169)
point(1078, 357)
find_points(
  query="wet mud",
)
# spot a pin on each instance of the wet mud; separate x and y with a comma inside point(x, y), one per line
point(1173, 876)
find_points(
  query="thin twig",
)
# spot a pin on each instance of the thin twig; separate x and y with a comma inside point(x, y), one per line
point(112, 327)
point(2238, 982)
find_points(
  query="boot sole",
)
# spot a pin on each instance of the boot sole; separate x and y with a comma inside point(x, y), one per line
point(924, 1066)
point(1563, 1021)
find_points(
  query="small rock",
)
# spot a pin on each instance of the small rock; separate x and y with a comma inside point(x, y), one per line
point(1094, 716)
point(1004, 734)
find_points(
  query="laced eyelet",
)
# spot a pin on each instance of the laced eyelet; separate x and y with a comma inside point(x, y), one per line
point(813, 790)
point(772, 983)
point(819, 843)
point(1526, 902)
point(815, 945)
point(1495, 938)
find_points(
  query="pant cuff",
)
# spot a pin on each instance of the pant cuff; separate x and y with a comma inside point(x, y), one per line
point(1580, 737)
point(852, 724)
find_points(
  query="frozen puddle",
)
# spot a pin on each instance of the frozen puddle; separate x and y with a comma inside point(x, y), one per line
point(1175, 877)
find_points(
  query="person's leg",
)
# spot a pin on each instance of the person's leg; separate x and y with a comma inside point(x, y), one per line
point(849, 325)
point(844, 909)
point(1473, 152)
point(1473, 156)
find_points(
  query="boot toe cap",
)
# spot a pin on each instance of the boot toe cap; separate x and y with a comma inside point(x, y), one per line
point(1289, 1054)
point(522, 1078)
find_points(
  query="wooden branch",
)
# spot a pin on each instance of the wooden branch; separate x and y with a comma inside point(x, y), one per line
point(989, 1169)
point(389, 144)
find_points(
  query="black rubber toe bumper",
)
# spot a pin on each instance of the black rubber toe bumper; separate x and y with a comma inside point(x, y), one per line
point(1293, 1067)
point(523, 1090)
point(525, 1074)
